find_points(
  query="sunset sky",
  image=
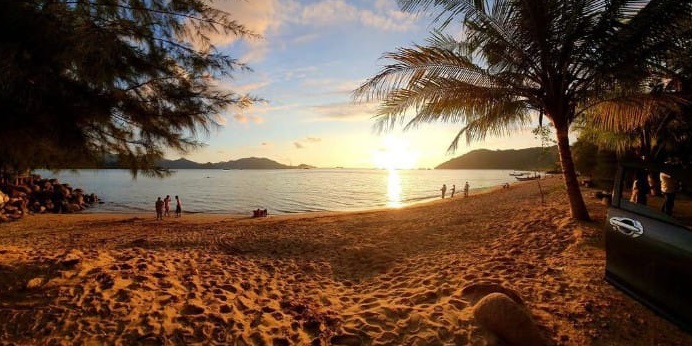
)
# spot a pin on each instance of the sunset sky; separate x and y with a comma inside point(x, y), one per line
point(312, 55)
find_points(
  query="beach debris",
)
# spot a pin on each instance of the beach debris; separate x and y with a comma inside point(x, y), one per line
point(508, 319)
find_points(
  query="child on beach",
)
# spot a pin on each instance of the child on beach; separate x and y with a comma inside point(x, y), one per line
point(159, 209)
point(466, 189)
point(178, 207)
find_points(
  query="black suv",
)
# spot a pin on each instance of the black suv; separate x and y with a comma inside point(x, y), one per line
point(649, 239)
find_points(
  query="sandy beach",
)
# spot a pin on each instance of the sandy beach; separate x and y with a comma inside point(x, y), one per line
point(407, 276)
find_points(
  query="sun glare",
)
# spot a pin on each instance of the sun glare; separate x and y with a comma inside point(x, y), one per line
point(394, 154)
point(393, 189)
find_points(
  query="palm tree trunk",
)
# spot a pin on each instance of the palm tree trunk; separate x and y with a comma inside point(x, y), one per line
point(576, 201)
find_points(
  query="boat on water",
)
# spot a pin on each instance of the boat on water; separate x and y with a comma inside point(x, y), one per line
point(527, 178)
point(515, 174)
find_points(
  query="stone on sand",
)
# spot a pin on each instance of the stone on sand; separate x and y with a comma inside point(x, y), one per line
point(475, 291)
point(34, 283)
point(510, 321)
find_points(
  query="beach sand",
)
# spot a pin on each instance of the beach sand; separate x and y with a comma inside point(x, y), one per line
point(389, 277)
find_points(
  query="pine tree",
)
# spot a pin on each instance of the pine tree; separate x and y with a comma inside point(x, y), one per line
point(84, 80)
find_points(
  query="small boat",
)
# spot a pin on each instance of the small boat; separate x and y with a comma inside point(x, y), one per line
point(515, 174)
point(528, 178)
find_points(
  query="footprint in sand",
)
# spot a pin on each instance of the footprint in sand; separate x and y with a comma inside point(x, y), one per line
point(190, 309)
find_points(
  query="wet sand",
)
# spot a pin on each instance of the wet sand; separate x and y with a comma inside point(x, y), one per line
point(389, 277)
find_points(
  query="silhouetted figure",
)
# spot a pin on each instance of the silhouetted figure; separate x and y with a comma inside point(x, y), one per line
point(159, 209)
point(444, 190)
point(178, 207)
point(466, 189)
point(167, 206)
point(454, 188)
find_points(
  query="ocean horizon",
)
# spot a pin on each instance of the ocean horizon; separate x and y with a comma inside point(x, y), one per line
point(282, 191)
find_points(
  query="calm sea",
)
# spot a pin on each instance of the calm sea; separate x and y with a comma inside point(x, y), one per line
point(279, 191)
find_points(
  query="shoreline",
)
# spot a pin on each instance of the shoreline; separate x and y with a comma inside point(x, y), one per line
point(394, 276)
point(248, 190)
point(472, 192)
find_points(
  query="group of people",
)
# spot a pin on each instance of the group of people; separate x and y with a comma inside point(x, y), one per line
point(453, 190)
point(163, 207)
point(259, 213)
point(645, 185)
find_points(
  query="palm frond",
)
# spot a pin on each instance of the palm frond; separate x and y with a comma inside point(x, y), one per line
point(626, 112)
point(415, 64)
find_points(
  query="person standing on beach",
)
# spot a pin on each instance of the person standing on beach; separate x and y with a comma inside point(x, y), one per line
point(444, 190)
point(167, 206)
point(159, 209)
point(466, 189)
point(178, 207)
point(454, 188)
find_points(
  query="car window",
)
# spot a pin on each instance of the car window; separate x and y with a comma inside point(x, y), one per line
point(663, 193)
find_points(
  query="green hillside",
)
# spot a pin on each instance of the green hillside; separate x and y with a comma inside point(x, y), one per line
point(519, 159)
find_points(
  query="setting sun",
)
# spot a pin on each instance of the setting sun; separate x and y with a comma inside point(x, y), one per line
point(394, 154)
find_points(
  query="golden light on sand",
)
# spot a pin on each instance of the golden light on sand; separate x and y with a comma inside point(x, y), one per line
point(394, 154)
point(393, 189)
point(408, 276)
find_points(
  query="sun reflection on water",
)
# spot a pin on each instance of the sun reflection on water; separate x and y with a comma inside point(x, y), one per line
point(393, 189)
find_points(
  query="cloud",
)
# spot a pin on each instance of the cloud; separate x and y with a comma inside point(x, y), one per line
point(259, 16)
point(256, 15)
point(245, 118)
point(303, 143)
point(384, 16)
point(328, 12)
point(305, 38)
point(267, 17)
point(345, 111)
point(257, 119)
point(241, 118)
point(332, 86)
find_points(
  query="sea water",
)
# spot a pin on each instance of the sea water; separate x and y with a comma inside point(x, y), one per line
point(279, 191)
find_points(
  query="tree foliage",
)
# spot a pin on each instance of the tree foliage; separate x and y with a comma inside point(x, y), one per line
point(514, 59)
point(84, 79)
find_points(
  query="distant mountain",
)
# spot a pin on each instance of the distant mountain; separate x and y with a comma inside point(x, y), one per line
point(244, 163)
point(179, 164)
point(536, 158)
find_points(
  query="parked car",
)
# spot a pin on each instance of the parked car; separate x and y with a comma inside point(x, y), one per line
point(649, 239)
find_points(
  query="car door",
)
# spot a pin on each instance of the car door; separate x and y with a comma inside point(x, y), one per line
point(648, 252)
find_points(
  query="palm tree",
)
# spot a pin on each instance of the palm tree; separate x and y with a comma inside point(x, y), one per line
point(520, 58)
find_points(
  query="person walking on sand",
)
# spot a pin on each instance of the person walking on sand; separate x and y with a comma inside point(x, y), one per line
point(167, 206)
point(466, 189)
point(444, 190)
point(159, 209)
point(178, 207)
point(454, 188)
